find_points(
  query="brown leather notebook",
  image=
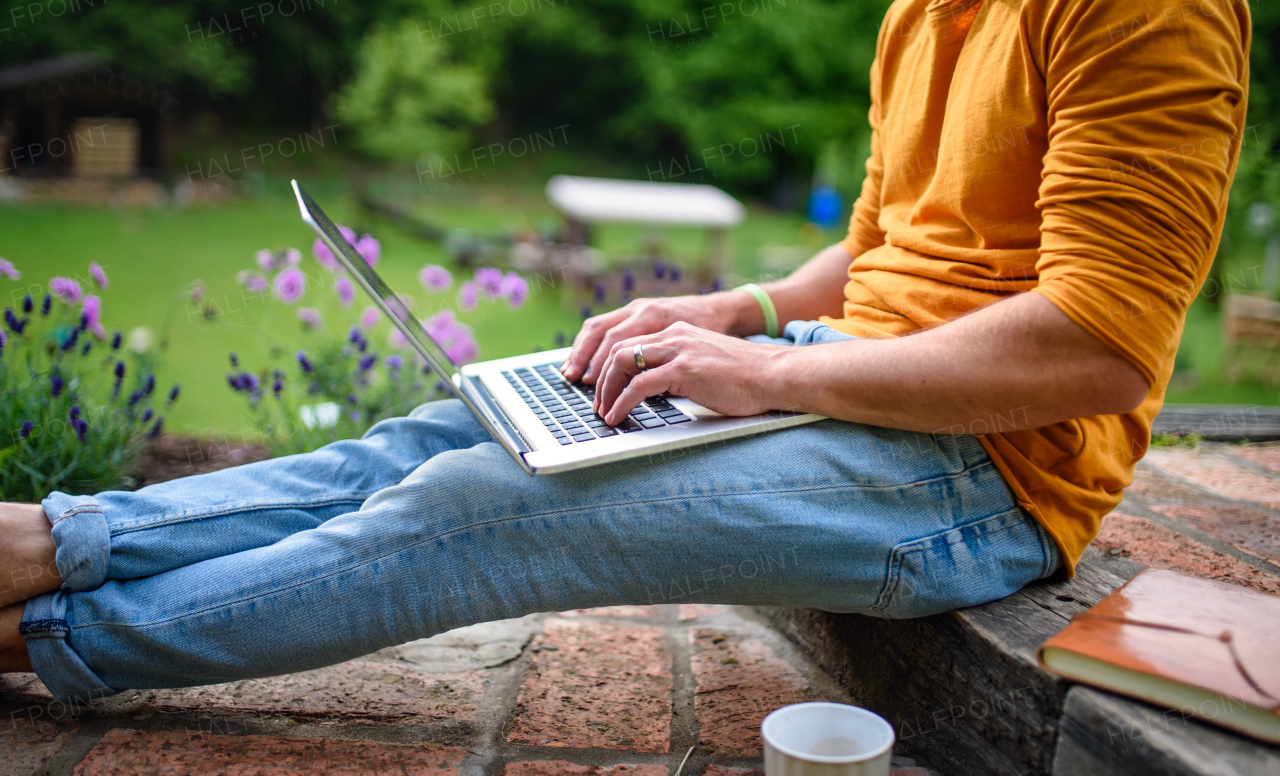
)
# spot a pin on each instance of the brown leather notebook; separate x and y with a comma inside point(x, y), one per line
point(1204, 648)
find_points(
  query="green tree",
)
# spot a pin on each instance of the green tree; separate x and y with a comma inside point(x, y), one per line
point(406, 101)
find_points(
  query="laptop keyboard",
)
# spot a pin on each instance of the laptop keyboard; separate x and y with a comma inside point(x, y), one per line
point(565, 408)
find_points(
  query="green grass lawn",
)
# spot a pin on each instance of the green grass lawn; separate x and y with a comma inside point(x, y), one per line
point(154, 256)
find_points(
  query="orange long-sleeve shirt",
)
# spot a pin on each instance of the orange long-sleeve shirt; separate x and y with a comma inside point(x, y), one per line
point(1078, 149)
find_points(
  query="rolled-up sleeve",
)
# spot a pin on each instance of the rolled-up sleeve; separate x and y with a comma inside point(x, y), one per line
point(1146, 120)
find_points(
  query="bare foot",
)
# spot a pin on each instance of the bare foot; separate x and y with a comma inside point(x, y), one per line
point(27, 566)
point(13, 648)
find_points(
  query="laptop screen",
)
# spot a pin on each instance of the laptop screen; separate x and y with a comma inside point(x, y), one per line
point(385, 298)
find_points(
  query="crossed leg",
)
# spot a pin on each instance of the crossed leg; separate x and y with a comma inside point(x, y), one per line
point(425, 526)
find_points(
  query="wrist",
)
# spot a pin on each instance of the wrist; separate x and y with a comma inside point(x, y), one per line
point(738, 313)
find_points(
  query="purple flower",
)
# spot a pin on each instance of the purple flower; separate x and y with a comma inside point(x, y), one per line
point(81, 428)
point(277, 384)
point(717, 284)
point(351, 398)
point(252, 281)
point(515, 289)
point(25, 433)
point(92, 308)
point(675, 274)
point(28, 304)
point(115, 341)
point(323, 255)
point(490, 279)
point(290, 285)
point(99, 277)
point(235, 362)
point(119, 371)
point(13, 322)
point(659, 269)
point(45, 304)
point(146, 416)
point(628, 281)
point(303, 362)
point(84, 351)
point(369, 317)
point(369, 249)
point(560, 339)
point(393, 362)
point(66, 289)
point(468, 295)
point(601, 293)
point(155, 431)
point(150, 385)
point(55, 385)
point(444, 327)
point(463, 350)
point(3, 340)
point(434, 278)
point(173, 393)
point(7, 268)
point(367, 362)
point(309, 316)
point(586, 311)
point(74, 412)
point(453, 336)
point(71, 339)
point(346, 291)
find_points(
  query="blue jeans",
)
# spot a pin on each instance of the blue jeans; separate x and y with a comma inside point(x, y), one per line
point(425, 525)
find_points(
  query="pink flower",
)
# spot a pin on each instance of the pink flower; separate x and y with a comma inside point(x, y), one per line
point(348, 233)
point(92, 309)
point(290, 285)
point(99, 277)
point(309, 316)
point(453, 336)
point(435, 278)
point(197, 291)
point(463, 350)
point(293, 257)
point(397, 340)
point(252, 281)
point(515, 289)
point(7, 268)
point(346, 291)
point(468, 294)
point(66, 289)
point(443, 326)
point(323, 255)
point(266, 260)
point(369, 317)
point(490, 278)
point(369, 248)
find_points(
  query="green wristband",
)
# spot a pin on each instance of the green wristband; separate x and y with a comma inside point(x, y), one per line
point(766, 307)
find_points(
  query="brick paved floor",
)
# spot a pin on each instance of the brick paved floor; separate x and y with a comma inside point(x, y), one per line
point(620, 691)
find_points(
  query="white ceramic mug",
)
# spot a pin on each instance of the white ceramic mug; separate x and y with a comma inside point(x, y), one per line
point(826, 739)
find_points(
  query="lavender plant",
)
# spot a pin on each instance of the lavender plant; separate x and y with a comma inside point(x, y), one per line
point(76, 404)
point(338, 383)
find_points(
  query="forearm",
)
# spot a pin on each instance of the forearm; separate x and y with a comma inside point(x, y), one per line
point(816, 288)
point(1018, 363)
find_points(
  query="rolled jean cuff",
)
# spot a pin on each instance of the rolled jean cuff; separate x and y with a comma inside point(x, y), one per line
point(45, 628)
point(83, 540)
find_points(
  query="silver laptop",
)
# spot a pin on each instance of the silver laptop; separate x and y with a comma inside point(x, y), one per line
point(544, 422)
